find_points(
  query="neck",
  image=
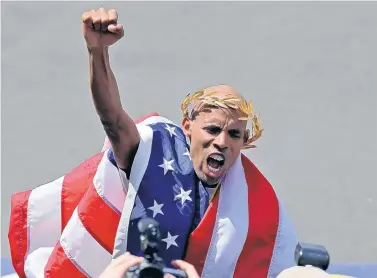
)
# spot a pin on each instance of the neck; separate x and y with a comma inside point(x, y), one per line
point(209, 185)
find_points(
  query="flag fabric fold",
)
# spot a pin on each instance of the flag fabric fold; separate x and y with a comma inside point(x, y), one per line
point(75, 225)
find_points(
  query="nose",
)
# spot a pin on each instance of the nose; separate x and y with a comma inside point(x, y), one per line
point(220, 142)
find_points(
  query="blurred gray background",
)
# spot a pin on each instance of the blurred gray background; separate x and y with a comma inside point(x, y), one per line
point(309, 68)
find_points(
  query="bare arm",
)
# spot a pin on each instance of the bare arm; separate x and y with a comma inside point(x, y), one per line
point(101, 30)
point(119, 127)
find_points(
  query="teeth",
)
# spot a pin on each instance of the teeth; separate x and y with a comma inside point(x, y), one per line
point(213, 169)
point(217, 157)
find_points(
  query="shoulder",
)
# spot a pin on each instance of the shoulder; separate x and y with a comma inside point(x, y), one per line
point(156, 132)
point(165, 143)
point(286, 238)
point(161, 126)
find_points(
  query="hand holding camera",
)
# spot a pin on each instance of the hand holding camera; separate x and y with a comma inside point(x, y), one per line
point(118, 267)
point(151, 265)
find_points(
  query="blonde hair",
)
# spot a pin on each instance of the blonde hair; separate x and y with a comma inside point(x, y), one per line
point(228, 101)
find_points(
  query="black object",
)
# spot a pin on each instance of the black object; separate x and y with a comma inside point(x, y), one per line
point(153, 266)
point(312, 254)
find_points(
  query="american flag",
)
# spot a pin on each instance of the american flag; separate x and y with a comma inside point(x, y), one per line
point(74, 226)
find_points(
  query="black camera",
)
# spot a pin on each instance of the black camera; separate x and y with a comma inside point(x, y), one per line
point(153, 266)
point(312, 254)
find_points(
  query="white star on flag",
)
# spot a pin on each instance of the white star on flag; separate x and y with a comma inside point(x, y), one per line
point(167, 165)
point(184, 196)
point(187, 153)
point(171, 130)
point(170, 240)
point(156, 208)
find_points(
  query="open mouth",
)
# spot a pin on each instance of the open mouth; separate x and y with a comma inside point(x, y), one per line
point(215, 162)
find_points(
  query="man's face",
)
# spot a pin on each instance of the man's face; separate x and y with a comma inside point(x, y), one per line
point(216, 138)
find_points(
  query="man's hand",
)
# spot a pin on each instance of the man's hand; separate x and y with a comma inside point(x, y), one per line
point(101, 28)
point(118, 267)
point(186, 267)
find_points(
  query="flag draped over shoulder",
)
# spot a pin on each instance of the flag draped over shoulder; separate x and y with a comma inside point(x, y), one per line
point(74, 225)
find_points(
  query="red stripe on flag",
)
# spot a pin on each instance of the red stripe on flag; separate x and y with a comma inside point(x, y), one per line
point(18, 231)
point(255, 258)
point(99, 219)
point(200, 238)
point(139, 120)
point(60, 266)
point(75, 184)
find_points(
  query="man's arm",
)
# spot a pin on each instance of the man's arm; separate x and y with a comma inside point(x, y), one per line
point(100, 29)
point(119, 127)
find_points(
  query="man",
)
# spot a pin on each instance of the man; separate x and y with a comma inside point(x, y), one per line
point(216, 210)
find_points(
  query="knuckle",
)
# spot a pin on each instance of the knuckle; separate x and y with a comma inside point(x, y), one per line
point(113, 14)
point(96, 19)
point(85, 17)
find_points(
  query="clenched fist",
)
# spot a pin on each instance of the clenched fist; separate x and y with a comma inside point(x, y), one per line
point(101, 28)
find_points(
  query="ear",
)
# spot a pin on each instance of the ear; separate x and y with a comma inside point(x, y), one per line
point(186, 126)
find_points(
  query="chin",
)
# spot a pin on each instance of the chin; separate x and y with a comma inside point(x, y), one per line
point(208, 180)
point(205, 179)
point(211, 181)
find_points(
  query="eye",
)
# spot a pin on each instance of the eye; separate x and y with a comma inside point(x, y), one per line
point(235, 134)
point(213, 129)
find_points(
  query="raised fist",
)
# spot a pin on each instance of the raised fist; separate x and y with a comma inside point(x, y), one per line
point(101, 28)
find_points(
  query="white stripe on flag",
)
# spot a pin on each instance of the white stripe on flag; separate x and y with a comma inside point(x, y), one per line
point(36, 261)
point(285, 245)
point(231, 225)
point(108, 184)
point(138, 169)
point(82, 249)
point(44, 229)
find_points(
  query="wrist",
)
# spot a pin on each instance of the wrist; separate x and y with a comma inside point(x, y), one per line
point(98, 50)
